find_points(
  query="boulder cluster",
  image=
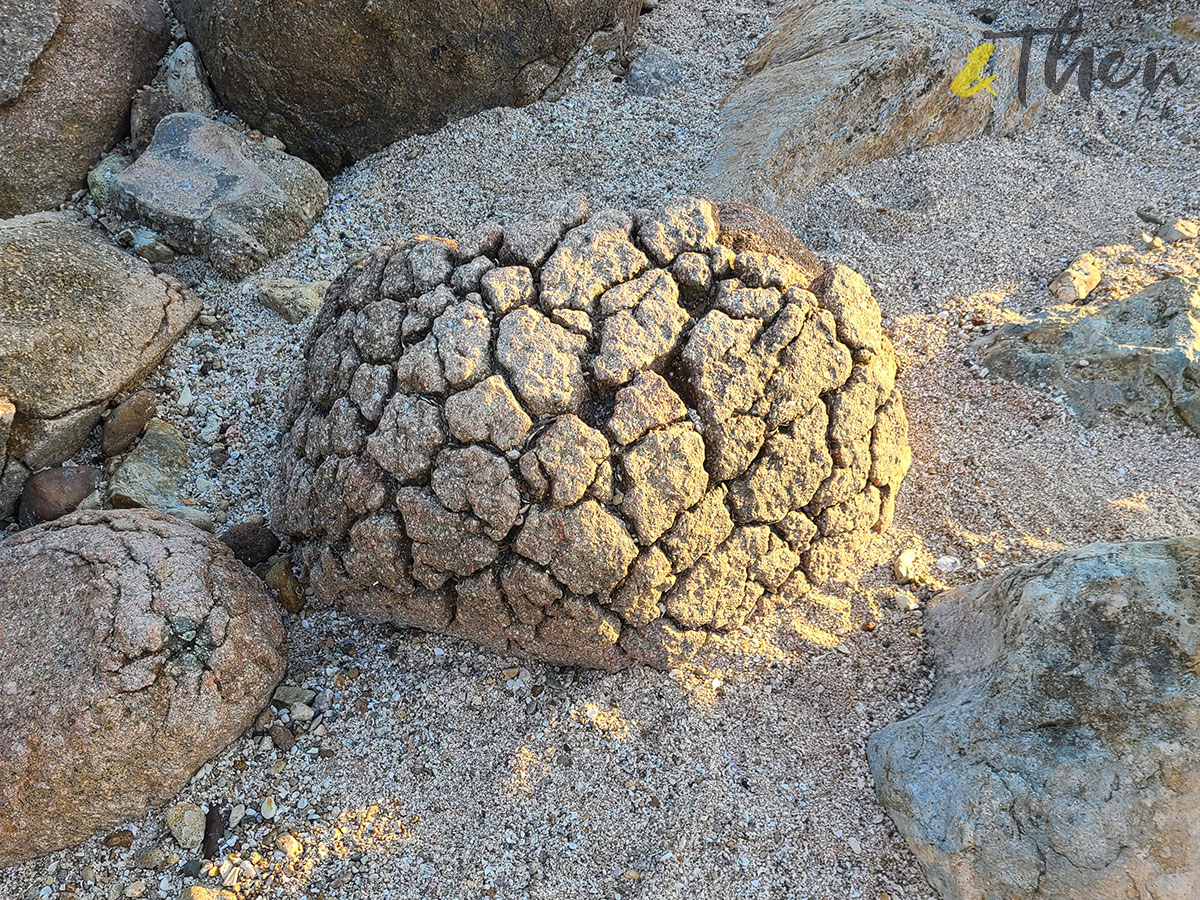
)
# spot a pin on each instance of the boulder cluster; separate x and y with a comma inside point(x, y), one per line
point(591, 437)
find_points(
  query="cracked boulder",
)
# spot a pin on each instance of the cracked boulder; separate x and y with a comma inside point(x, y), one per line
point(625, 440)
point(1059, 755)
point(134, 649)
point(80, 321)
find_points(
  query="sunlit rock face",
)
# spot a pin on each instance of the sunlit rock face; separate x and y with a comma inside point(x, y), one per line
point(592, 436)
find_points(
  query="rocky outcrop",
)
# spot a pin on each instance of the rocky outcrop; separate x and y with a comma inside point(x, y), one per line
point(1135, 356)
point(134, 649)
point(344, 80)
point(210, 190)
point(68, 70)
point(585, 437)
point(836, 85)
point(79, 322)
point(1059, 756)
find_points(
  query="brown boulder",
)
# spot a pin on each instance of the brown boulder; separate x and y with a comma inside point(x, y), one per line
point(344, 79)
point(68, 71)
point(52, 493)
point(79, 322)
point(134, 649)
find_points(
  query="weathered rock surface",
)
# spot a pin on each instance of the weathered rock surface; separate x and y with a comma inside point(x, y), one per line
point(134, 649)
point(52, 493)
point(587, 462)
point(79, 321)
point(210, 190)
point(343, 81)
point(836, 85)
point(1059, 756)
point(1135, 356)
point(68, 69)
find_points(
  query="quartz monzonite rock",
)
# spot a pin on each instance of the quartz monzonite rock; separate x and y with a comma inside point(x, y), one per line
point(133, 648)
point(1059, 756)
point(591, 437)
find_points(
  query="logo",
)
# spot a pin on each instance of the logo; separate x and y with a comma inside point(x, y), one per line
point(1113, 70)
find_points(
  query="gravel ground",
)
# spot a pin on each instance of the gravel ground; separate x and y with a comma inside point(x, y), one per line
point(435, 769)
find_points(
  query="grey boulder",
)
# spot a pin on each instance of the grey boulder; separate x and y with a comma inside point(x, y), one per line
point(210, 190)
point(1135, 356)
point(1059, 756)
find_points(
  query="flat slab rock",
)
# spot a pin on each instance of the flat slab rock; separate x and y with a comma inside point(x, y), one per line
point(1059, 756)
point(210, 190)
point(591, 436)
point(1135, 356)
point(134, 649)
point(79, 322)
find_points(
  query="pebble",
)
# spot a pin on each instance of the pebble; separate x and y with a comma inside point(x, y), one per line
point(905, 567)
point(269, 809)
point(186, 822)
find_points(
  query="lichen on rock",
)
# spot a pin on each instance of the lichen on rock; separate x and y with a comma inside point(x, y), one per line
point(591, 437)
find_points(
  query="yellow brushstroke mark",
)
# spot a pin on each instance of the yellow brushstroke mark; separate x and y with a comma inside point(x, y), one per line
point(967, 83)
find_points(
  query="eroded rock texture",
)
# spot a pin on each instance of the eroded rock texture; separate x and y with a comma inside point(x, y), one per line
point(133, 649)
point(590, 437)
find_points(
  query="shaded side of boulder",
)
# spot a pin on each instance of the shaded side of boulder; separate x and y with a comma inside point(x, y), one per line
point(345, 79)
point(836, 85)
point(210, 190)
point(1059, 756)
point(79, 321)
point(65, 99)
point(134, 649)
point(1135, 356)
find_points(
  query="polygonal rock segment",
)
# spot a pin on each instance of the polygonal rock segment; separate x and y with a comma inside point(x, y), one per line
point(574, 454)
point(1058, 757)
point(585, 547)
point(477, 480)
point(664, 474)
point(444, 543)
point(642, 324)
point(410, 432)
point(488, 413)
point(564, 461)
point(787, 473)
point(530, 240)
point(689, 224)
point(134, 649)
point(542, 362)
point(589, 260)
point(507, 288)
point(647, 402)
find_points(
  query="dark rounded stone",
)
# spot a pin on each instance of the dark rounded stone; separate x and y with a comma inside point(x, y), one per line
point(126, 422)
point(252, 544)
point(52, 493)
